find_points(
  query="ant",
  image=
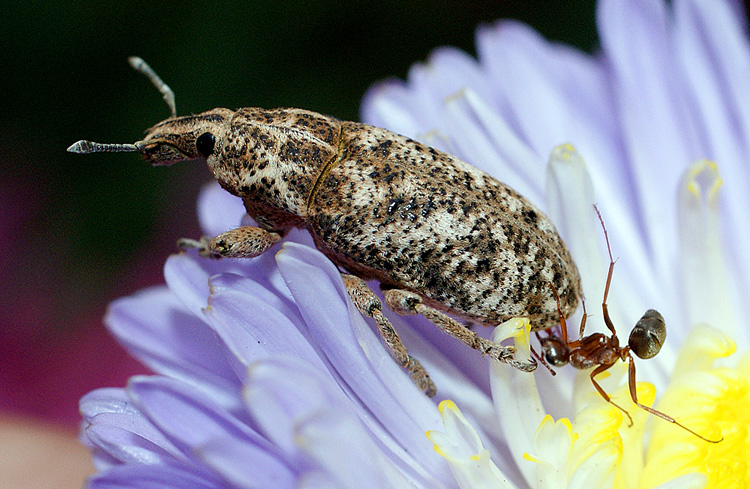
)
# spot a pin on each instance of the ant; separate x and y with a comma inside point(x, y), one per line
point(602, 351)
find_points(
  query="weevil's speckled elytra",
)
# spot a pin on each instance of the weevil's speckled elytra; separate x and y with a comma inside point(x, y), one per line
point(438, 234)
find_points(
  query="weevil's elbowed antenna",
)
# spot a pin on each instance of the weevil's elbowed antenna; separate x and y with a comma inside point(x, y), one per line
point(85, 147)
point(141, 66)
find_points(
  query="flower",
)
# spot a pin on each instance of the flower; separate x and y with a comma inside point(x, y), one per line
point(267, 376)
point(656, 115)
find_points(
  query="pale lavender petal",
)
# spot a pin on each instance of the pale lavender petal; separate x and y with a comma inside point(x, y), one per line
point(712, 45)
point(279, 299)
point(124, 445)
point(484, 141)
point(191, 421)
point(329, 439)
point(281, 391)
point(383, 388)
point(543, 85)
point(120, 434)
point(556, 95)
point(167, 338)
point(390, 104)
point(655, 127)
point(187, 279)
point(105, 400)
point(240, 465)
point(253, 329)
point(149, 477)
point(303, 411)
point(218, 210)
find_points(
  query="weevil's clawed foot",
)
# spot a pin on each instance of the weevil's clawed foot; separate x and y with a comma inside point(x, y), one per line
point(203, 245)
point(507, 355)
point(526, 366)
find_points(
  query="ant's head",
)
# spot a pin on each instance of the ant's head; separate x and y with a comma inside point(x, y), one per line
point(555, 351)
point(648, 335)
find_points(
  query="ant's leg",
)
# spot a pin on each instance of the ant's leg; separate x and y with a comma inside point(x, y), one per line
point(561, 316)
point(583, 319)
point(603, 393)
point(605, 309)
point(634, 397)
point(540, 358)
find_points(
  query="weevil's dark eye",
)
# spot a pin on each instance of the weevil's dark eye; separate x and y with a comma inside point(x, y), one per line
point(649, 334)
point(205, 144)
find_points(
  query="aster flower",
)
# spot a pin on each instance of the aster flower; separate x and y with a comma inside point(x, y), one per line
point(657, 115)
point(269, 377)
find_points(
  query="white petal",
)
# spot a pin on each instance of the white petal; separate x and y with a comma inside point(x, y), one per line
point(704, 270)
point(519, 410)
point(687, 481)
point(460, 445)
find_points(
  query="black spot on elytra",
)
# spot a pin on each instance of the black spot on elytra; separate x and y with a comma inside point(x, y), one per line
point(483, 265)
point(383, 149)
point(393, 205)
point(427, 207)
point(530, 216)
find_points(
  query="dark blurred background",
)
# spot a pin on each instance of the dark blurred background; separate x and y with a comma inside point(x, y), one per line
point(78, 231)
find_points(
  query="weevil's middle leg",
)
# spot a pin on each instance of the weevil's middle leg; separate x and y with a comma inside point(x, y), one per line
point(369, 305)
point(408, 303)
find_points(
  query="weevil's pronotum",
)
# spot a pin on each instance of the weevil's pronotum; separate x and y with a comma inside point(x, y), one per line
point(438, 234)
point(600, 352)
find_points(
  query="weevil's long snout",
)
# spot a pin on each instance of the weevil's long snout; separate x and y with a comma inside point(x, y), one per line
point(84, 147)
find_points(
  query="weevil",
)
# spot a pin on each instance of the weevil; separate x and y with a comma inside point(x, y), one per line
point(443, 238)
point(600, 352)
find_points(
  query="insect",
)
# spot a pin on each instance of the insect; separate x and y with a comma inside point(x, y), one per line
point(444, 239)
point(601, 352)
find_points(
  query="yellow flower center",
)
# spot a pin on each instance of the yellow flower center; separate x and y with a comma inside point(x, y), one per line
point(600, 447)
point(707, 394)
point(712, 400)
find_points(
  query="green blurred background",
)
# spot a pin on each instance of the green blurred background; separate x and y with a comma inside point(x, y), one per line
point(78, 231)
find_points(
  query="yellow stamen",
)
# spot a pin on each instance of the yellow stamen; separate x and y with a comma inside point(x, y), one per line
point(712, 400)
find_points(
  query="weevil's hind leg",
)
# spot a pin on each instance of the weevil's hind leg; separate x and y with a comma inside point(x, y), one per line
point(369, 304)
point(242, 242)
point(408, 303)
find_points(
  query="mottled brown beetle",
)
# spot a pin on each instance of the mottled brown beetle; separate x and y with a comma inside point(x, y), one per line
point(600, 352)
point(438, 234)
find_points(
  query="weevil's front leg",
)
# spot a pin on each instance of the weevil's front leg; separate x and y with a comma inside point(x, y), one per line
point(242, 242)
point(407, 303)
point(369, 305)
